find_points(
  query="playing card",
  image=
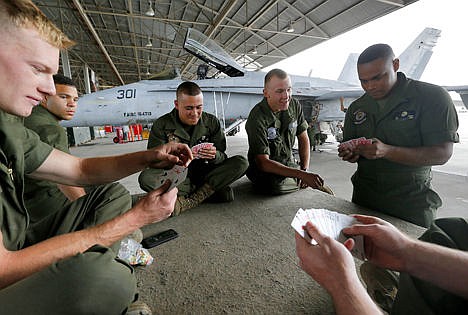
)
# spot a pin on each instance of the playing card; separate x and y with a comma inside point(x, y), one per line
point(353, 143)
point(176, 175)
point(179, 173)
point(298, 223)
point(330, 223)
point(196, 148)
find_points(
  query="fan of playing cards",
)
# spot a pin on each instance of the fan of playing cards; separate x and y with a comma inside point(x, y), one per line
point(196, 148)
point(329, 223)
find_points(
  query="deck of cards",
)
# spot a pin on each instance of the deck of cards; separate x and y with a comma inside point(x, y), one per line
point(329, 223)
point(176, 175)
point(196, 149)
point(353, 143)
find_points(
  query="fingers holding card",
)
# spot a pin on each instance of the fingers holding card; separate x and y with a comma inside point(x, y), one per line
point(330, 223)
point(175, 175)
point(353, 143)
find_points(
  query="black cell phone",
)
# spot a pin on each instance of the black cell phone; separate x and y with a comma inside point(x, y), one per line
point(159, 238)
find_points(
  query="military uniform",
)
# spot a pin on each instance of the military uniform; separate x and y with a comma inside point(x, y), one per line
point(218, 172)
point(416, 296)
point(42, 196)
point(273, 134)
point(96, 270)
point(415, 114)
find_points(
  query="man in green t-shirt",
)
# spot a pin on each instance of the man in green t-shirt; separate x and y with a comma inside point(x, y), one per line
point(42, 196)
point(413, 126)
point(272, 128)
point(56, 266)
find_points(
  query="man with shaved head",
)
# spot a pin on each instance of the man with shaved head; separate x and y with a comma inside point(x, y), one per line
point(413, 126)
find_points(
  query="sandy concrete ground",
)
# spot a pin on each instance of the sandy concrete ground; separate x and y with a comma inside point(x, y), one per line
point(239, 257)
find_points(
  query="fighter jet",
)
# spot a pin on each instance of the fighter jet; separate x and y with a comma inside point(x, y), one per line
point(232, 97)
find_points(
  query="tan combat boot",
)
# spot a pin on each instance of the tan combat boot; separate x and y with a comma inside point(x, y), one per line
point(184, 203)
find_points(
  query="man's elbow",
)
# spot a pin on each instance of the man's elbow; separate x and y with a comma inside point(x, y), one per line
point(445, 153)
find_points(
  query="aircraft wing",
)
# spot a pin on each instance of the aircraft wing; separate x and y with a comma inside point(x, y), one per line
point(460, 89)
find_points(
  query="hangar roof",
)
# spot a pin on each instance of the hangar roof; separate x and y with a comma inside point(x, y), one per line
point(124, 41)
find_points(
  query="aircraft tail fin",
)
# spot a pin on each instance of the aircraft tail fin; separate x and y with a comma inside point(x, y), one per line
point(348, 73)
point(414, 59)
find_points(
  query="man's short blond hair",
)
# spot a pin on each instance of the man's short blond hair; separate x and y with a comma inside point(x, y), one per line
point(25, 14)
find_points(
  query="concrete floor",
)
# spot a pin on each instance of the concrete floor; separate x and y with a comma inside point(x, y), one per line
point(239, 257)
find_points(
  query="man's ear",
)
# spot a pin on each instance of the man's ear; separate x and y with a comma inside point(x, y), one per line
point(43, 103)
point(396, 64)
point(176, 104)
point(264, 93)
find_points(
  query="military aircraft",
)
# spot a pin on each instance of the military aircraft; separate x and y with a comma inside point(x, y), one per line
point(231, 97)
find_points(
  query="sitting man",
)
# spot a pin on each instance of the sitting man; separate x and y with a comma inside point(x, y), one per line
point(272, 127)
point(41, 195)
point(214, 171)
point(66, 264)
point(433, 270)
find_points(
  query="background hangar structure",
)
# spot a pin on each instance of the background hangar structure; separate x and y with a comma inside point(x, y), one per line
point(124, 41)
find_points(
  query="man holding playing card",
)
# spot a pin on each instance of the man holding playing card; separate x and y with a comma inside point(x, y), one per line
point(67, 264)
point(433, 270)
point(407, 126)
point(272, 128)
point(211, 172)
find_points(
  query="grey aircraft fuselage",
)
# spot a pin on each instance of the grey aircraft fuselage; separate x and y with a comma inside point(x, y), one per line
point(231, 98)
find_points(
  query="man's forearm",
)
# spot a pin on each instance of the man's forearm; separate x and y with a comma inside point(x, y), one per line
point(304, 150)
point(420, 156)
point(17, 265)
point(445, 267)
point(353, 299)
point(65, 169)
point(109, 169)
point(271, 166)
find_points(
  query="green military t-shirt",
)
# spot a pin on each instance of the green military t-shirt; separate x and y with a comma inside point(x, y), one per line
point(415, 114)
point(46, 125)
point(21, 152)
point(274, 134)
point(169, 128)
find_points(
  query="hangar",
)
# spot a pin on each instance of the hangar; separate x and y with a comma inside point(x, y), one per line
point(121, 42)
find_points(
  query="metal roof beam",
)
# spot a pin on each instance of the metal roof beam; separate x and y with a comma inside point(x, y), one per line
point(397, 3)
point(97, 38)
point(131, 28)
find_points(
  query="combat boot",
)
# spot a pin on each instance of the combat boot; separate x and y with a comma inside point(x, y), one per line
point(184, 203)
point(225, 194)
point(138, 308)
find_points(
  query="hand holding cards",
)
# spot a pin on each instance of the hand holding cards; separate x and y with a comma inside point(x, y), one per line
point(196, 149)
point(176, 175)
point(353, 143)
point(329, 223)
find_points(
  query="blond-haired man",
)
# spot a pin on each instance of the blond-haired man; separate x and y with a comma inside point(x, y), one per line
point(63, 271)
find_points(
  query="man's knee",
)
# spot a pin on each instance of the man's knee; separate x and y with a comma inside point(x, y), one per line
point(148, 179)
point(274, 185)
point(97, 283)
point(241, 164)
point(227, 172)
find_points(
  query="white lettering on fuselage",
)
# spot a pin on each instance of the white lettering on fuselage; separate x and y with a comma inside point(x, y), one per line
point(133, 114)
